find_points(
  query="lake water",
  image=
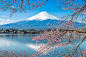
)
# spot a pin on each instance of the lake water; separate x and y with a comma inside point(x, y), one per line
point(21, 42)
point(17, 42)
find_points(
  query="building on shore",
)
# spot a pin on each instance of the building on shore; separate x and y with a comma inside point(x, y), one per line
point(1, 30)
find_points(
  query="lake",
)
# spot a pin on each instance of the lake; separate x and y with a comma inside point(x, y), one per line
point(22, 42)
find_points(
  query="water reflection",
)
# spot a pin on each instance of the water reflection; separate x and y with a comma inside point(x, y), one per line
point(23, 42)
point(17, 42)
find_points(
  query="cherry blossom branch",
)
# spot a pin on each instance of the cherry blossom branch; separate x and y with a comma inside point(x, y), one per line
point(78, 46)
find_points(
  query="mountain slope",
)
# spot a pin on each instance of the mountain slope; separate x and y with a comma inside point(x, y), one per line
point(29, 24)
point(37, 24)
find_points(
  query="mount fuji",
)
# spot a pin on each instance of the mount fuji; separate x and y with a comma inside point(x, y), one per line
point(38, 21)
point(43, 16)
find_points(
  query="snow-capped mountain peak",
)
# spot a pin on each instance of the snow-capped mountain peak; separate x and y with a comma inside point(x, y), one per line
point(43, 16)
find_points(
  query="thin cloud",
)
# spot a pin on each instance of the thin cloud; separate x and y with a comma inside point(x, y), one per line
point(3, 16)
point(6, 21)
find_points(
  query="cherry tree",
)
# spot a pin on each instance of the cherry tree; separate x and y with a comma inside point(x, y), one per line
point(59, 38)
point(64, 34)
point(20, 5)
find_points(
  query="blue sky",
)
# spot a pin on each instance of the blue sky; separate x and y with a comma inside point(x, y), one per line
point(49, 7)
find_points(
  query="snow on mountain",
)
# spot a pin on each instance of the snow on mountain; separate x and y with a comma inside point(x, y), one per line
point(43, 16)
